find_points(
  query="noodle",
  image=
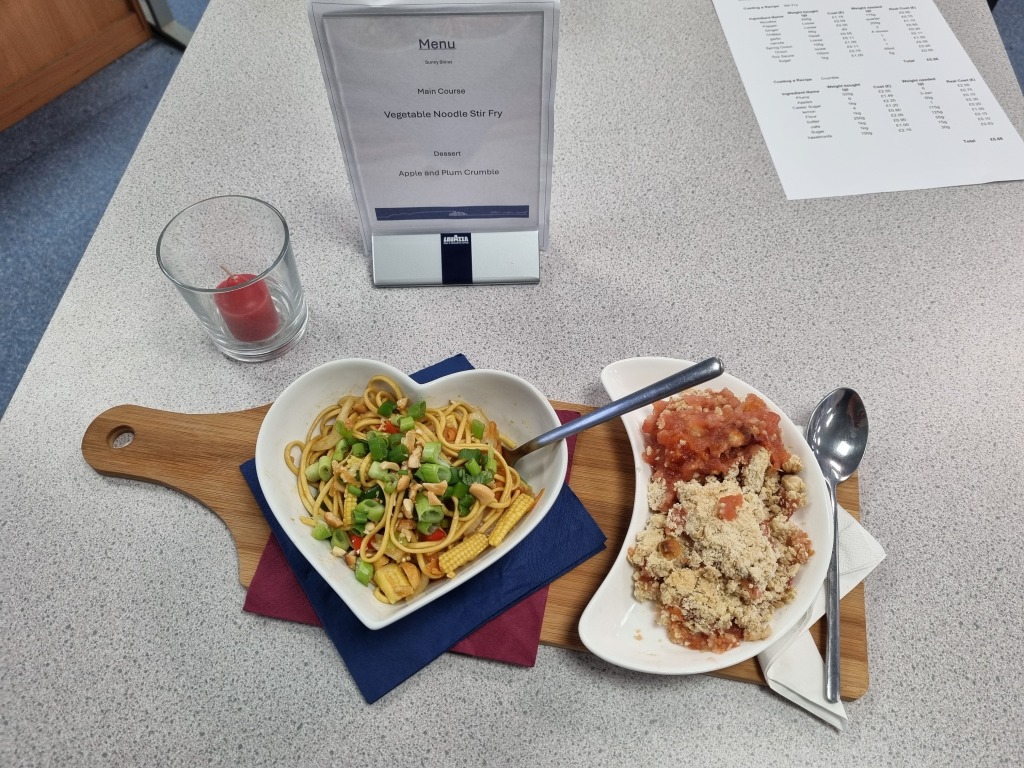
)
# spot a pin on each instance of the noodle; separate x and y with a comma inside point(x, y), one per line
point(394, 485)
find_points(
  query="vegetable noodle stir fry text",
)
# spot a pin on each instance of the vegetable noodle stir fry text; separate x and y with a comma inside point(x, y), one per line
point(406, 493)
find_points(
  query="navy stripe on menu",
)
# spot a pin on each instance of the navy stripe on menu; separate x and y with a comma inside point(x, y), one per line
point(456, 212)
point(456, 258)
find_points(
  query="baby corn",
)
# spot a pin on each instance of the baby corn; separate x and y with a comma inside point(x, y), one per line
point(462, 553)
point(348, 511)
point(518, 508)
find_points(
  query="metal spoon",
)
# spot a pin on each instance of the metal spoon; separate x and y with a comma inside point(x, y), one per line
point(670, 385)
point(838, 434)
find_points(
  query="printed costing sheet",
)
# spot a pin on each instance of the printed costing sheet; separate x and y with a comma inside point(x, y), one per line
point(854, 97)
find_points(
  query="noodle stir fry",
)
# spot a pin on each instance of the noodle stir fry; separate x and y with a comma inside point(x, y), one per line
point(406, 493)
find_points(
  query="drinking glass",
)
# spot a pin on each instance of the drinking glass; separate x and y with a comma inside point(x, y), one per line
point(231, 259)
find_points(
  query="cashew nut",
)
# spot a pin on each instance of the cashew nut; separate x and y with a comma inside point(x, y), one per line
point(482, 493)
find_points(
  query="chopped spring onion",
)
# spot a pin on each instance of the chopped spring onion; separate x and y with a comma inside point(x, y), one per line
point(468, 454)
point(373, 492)
point(321, 531)
point(341, 540)
point(340, 449)
point(484, 478)
point(477, 428)
point(359, 518)
point(434, 531)
point(364, 572)
point(323, 467)
point(431, 453)
point(418, 410)
point(388, 479)
point(369, 509)
point(378, 446)
point(434, 473)
point(386, 408)
point(456, 490)
point(427, 512)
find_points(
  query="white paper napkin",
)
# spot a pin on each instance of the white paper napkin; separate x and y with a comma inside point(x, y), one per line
point(793, 666)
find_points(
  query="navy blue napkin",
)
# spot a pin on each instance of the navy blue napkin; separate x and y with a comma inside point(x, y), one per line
point(380, 660)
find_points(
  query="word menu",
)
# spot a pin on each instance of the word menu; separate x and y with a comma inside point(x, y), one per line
point(855, 98)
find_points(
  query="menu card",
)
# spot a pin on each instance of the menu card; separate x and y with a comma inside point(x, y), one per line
point(856, 97)
point(445, 115)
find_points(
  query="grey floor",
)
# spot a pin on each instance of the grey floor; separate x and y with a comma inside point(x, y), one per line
point(59, 168)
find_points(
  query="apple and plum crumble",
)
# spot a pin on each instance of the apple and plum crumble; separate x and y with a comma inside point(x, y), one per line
point(720, 550)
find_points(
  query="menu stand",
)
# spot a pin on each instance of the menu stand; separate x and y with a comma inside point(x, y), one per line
point(445, 116)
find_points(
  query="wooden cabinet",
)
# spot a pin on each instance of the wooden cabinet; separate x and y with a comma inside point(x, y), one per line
point(48, 46)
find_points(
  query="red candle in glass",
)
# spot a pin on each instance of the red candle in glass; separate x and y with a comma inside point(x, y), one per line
point(249, 312)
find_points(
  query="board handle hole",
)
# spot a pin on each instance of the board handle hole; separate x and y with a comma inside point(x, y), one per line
point(121, 437)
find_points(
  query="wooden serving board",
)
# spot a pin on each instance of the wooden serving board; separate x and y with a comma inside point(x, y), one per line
point(199, 455)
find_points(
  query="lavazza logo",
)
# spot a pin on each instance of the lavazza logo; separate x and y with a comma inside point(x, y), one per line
point(455, 240)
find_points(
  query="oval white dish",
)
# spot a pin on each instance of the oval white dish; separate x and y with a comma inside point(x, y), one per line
point(623, 631)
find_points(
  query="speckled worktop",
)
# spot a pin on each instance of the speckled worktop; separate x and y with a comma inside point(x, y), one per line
point(122, 636)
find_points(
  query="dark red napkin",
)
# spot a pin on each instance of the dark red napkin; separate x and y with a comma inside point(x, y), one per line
point(512, 637)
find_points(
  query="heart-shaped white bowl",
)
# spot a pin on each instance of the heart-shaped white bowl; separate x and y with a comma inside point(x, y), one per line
point(519, 409)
